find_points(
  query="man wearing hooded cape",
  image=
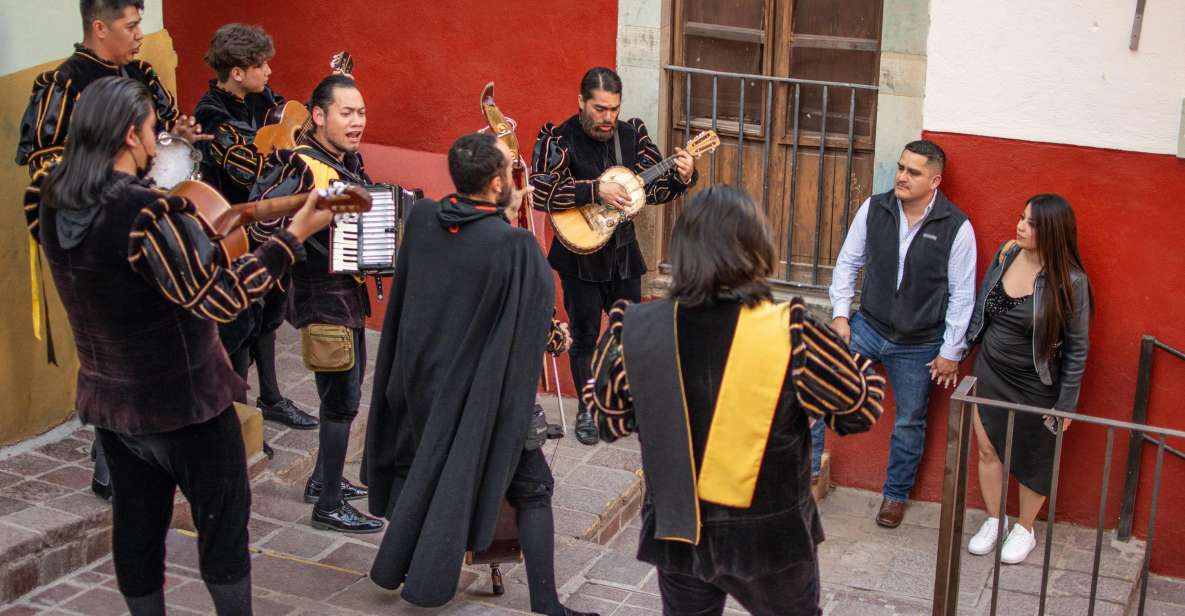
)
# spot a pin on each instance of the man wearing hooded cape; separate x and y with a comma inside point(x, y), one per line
point(466, 327)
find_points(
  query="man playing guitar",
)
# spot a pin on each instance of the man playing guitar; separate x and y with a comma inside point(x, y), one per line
point(566, 162)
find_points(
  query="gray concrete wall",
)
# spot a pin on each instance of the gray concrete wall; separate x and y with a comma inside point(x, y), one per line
point(904, 29)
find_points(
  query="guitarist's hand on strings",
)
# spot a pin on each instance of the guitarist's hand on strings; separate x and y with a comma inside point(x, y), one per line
point(613, 195)
point(685, 165)
point(310, 219)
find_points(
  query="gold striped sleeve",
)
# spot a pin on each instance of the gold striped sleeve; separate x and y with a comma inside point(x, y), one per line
point(169, 246)
point(607, 393)
point(832, 383)
point(555, 188)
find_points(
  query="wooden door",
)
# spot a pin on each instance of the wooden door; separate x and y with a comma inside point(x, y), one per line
point(784, 125)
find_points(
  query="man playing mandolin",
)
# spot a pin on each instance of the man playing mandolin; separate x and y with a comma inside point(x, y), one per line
point(566, 163)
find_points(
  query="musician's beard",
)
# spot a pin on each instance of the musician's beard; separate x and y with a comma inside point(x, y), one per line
point(590, 128)
point(503, 201)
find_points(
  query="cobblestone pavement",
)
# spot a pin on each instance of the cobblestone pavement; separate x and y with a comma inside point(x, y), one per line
point(866, 570)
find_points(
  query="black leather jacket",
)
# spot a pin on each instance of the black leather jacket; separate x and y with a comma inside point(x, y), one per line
point(1069, 356)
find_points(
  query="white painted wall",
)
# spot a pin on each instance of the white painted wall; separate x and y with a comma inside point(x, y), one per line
point(1057, 71)
point(33, 32)
point(639, 60)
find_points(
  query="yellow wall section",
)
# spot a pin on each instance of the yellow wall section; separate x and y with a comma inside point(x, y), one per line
point(35, 396)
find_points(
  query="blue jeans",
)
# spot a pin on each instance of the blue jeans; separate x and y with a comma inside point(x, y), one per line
point(910, 379)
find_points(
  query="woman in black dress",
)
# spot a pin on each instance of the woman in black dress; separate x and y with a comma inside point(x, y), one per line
point(1032, 319)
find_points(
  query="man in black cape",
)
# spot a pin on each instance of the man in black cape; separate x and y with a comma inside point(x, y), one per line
point(466, 327)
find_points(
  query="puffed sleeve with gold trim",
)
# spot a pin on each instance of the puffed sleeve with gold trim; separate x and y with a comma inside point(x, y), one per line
point(607, 393)
point(169, 246)
point(46, 119)
point(555, 188)
point(832, 383)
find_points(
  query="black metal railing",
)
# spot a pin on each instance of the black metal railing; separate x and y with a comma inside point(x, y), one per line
point(954, 493)
point(795, 88)
point(1135, 451)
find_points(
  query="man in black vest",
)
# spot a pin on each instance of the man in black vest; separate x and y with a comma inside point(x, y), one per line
point(565, 165)
point(917, 251)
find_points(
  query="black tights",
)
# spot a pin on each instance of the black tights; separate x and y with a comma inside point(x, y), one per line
point(536, 534)
point(331, 461)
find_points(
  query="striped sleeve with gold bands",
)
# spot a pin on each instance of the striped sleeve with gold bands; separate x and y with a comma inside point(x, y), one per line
point(831, 383)
point(556, 338)
point(607, 393)
point(666, 186)
point(46, 119)
point(169, 247)
point(236, 155)
point(33, 201)
point(284, 173)
point(555, 188)
point(162, 99)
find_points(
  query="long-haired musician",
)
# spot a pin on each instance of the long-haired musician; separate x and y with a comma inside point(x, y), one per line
point(143, 287)
point(111, 38)
point(330, 309)
point(566, 162)
point(232, 110)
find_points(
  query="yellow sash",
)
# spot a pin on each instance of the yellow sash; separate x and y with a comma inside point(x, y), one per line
point(749, 392)
point(35, 280)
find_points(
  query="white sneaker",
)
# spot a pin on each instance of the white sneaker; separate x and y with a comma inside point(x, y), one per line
point(1018, 545)
point(984, 541)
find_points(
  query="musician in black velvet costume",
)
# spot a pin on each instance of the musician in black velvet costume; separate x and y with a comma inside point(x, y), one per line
point(143, 287)
point(331, 309)
point(719, 383)
point(110, 41)
point(565, 165)
point(466, 327)
point(232, 110)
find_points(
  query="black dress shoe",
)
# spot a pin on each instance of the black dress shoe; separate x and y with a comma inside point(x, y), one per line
point(345, 519)
point(586, 430)
point(555, 431)
point(285, 412)
point(312, 491)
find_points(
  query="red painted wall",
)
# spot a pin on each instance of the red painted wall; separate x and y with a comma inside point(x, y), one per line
point(1130, 233)
point(420, 65)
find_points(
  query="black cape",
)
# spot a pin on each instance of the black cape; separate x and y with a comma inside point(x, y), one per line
point(461, 350)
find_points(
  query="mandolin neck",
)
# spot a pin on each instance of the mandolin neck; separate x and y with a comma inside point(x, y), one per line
point(653, 173)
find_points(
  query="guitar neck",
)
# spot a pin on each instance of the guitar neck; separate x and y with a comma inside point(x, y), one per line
point(269, 209)
point(653, 173)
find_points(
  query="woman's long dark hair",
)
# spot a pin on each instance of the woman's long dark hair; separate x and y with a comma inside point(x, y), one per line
point(97, 129)
point(721, 249)
point(1057, 243)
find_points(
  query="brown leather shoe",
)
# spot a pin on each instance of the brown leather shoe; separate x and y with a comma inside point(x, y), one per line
point(891, 514)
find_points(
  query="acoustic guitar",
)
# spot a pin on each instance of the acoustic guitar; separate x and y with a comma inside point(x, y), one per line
point(227, 221)
point(289, 122)
point(587, 228)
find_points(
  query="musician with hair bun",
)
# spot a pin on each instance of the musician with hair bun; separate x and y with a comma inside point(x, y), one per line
point(565, 166)
point(236, 105)
point(330, 309)
point(143, 286)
